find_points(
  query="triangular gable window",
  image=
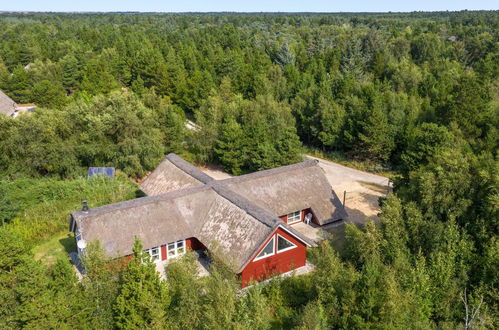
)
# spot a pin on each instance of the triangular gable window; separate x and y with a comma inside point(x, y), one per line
point(267, 251)
point(283, 244)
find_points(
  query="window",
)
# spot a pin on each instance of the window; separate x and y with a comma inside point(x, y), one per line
point(283, 244)
point(176, 249)
point(294, 217)
point(155, 253)
point(267, 251)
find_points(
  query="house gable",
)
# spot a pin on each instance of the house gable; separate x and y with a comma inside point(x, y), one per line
point(173, 173)
point(279, 261)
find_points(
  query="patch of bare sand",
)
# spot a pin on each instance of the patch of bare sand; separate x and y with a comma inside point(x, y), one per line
point(363, 190)
point(216, 172)
point(361, 202)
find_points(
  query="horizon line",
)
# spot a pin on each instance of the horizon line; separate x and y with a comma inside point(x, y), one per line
point(238, 12)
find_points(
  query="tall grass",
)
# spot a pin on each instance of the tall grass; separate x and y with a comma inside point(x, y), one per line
point(39, 208)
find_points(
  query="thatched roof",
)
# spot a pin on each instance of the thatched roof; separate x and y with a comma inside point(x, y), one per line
point(173, 173)
point(7, 105)
point(232, 217)
point(279, 190)
point(290, 188)
point(192, 212)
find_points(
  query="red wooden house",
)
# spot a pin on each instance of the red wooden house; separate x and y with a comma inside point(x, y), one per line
point(248, 220)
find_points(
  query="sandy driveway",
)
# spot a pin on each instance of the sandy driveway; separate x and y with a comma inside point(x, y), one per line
point(362, 189)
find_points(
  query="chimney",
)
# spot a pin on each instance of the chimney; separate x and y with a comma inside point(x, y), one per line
point(84, 207)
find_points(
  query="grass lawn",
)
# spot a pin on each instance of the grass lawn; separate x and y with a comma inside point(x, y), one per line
point(58, 246)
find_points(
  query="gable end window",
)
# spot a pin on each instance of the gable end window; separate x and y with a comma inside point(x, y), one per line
point(267, 251)
point(294, 217)
point(284, 244)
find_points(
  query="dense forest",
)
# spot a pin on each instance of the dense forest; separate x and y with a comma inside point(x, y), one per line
point(416, 94)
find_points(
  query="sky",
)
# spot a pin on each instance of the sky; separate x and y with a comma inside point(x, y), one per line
point(246, 5)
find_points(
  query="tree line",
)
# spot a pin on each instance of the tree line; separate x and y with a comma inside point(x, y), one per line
point(360, 85)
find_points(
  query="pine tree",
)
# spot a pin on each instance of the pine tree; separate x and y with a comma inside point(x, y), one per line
point(99, 288)
point(230, 147)
point(331, 119)
point(47, 94)
point(71, 74)
point(143, 298)
point(185, 310)
point(376, 137)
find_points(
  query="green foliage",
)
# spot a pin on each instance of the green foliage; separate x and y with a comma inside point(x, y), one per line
point(252, 310)
point(425, 141)
point(12, 248)
point(143, 297)
point(116, 131)
point(185, 308)
point(99, 288)
point(245, 135)
point(38, 208)
point(355, 83)
point(47, 94)
point(389, 90)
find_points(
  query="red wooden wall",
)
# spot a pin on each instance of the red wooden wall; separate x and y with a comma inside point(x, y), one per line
point(278, 263)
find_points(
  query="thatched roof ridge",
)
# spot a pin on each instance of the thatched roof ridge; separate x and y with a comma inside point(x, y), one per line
point(290, 188)
point(254, 210)
point(133, 203)
point(189, 168)
point(270, 172)
point(173, 173)
point(199, 212)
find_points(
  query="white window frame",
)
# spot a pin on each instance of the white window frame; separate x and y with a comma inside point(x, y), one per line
point(286, 249)
point(267, 255)
point(294, 217)
point(151, 255)
point(175, 249)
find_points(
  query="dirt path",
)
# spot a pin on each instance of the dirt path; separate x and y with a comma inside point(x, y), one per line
point(363, 189)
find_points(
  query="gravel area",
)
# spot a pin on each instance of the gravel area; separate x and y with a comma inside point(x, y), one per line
point(363, 189)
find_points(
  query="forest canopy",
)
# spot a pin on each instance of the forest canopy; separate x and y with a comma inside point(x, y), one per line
point(415, 93)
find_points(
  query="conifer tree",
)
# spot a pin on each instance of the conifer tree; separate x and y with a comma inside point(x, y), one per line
point(143, 298)
point(71, 74)
point(231, 146)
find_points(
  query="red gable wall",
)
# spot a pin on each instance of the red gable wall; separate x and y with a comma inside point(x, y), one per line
point(278, 263)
